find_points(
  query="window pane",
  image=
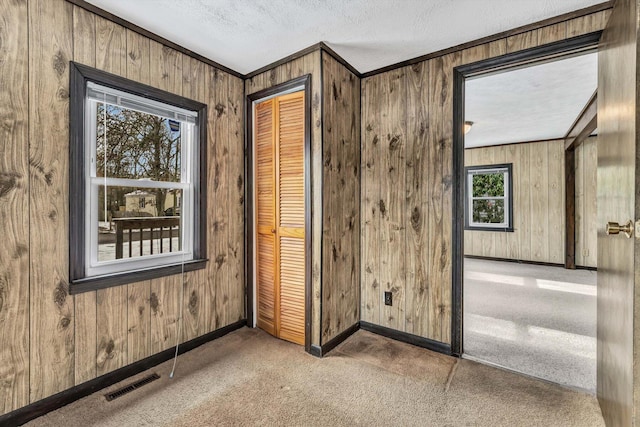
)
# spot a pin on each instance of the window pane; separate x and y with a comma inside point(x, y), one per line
point(135, 145)
point(138, 222)
point(488, 211)
point(488, 184)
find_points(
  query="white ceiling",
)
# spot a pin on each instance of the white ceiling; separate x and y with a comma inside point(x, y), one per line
point(529, 104)
point(245, 35)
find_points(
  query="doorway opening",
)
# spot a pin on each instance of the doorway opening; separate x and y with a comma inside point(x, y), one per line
point(524, 213)
point(278, 195)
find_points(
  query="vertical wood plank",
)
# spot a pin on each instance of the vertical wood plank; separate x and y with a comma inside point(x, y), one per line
point(313, 65)
point(556, 217)
point(341, 226)
point(14, 216)
point(525, 202)
point(51, 319)
point(552, 33)
point(580, 248)
point(370, 307)
point(444, 308)
point(417, 210)
point(522, 41)
point(498, 47)
point(512, 153)
point(540, 202)
point(392, 182)
point(437, 113)
point(111, 311)
point(330, 255)
point(84, 51)
point(210, 317)
point(220, 235)
point(588, 23)
point(196, 292)
point(236, 201)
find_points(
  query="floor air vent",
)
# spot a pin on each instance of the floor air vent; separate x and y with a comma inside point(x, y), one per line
point(128, 389)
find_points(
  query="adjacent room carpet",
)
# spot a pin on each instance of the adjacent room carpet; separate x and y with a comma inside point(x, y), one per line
point(538, 320)
point(251, 378)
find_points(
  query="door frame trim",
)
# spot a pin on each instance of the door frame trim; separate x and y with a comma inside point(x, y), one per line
point(460, 74)
point(303, 82)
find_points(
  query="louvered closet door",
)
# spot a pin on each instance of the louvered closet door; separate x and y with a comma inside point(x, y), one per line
point(281, 217)
point(266, 216)
point(290, 214)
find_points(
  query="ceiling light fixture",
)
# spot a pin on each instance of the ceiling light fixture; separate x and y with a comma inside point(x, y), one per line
point(467, 127)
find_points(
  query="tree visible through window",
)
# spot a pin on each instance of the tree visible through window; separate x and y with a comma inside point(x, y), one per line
point(140, 199)
point(488, 197)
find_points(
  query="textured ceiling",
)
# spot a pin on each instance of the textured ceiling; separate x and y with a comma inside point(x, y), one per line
point(245, 35)
point(529, 104)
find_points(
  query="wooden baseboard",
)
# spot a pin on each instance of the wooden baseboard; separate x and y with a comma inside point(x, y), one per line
point(321, 351)
point(437, 346)
point(37, 409)
point(522, 261)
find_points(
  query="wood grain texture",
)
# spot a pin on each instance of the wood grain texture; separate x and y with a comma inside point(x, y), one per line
point(51, 341)
point(111, 312)
point(445, 308)
point(219, 269)
point(84, 51)
point(522, 41)
point(235, 206)
point(417, 211)
point(196, 302)
point(588, 23)
point(341, 199)
point(52, 309)
point(308, 64)
point(538, 202)
point(378, 115)
point(391, 204)
point(618, 333)
point(589, 187)
point(370, 267)
point(14, 217)
point(437, 112)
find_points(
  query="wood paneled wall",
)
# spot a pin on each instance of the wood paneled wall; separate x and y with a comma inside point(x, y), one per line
point(407, 137)
point(308, 64)
point(335, 187)
point(538, 203)
point(341, 198)
point(586, 203)
point(49, 340)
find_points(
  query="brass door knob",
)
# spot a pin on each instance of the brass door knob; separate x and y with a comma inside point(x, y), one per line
point(615, 228)
point(273, 231)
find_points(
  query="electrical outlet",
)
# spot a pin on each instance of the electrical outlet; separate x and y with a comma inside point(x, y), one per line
point(388, 298)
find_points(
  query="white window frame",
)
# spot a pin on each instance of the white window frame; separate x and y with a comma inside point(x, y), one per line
point(188, 179)
point(470, 172)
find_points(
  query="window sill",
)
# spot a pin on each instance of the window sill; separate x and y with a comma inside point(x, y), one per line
point(499, 229)
point(87, 284)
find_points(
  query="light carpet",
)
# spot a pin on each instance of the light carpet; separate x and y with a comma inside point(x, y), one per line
point(250, 378)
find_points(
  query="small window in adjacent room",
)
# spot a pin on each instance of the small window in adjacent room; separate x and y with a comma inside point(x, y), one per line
point(137, 181)
point(488, 198)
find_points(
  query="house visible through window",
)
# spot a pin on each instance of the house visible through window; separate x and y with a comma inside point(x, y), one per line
point(489, 201)
point(141, 182)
